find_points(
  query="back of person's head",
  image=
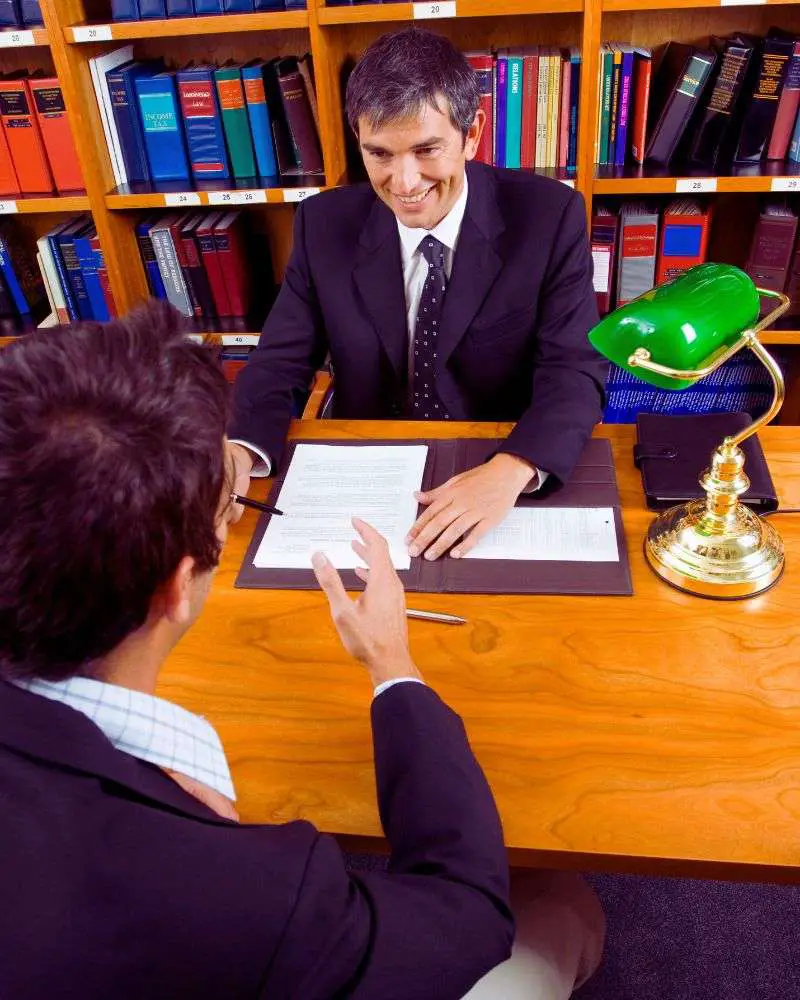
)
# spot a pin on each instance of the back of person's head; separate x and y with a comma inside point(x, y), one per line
point(403, 72)
point(112, 468)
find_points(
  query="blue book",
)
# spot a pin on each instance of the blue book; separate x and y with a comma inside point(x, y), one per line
point(21, 277)
point(125, 10)
point(259, 117)
point(237, 6)
point(90, 261)
point(794, 144)
point(207, 7)
point(296, 4)
point(163, 128)
point(127, 116)
point(574, 89)
point(152, 9)
point(625, 105)
point(270, 5)
point(501, 119)
point(65, 241)
point(154, 278)
point(180, 8)
point(31, 13)
point(514, 112)
point(205, 137)
point(10, 15)
point(63, 280)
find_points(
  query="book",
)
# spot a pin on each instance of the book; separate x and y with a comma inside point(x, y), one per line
point(127, 118)
point(563, 113)
point(175, 226)
point(194, 265)
point(281, 138)
point(553, 105)
point(481, 62)
point(237, 6)
point(772, 245)
point(10, 14)
point(162, 126)
point(180, 8)
point(642, 74)
point(574, 95)
point(65, 242)
point(514, 110)
point(229, 242)
point(787, 109)
point(603, 242)
point(125, 10)
point(50, 274)
point(167, 259)
point(719, 119)
point(258, 113)
point(792, 287)
point(762, 107)
point(202, 8)
point(102, 277)
point(89, 265)
point(31, 13)
point(678, 83)
point(61, 271)
point(616, 82)
point(500, 106)
point(59, 144)
point(152, 9)
point(607, 62)
point(638, 240)
point(20, 273)
point(542, 102)
point(148, 255)
point(228, 80)
point(683, 243)
point(24, 136)
point(306, 69)
point(99, 67)
point(204, 234)
point(205, 138)
point(530, 83)
point(299, 118)
point(624, 110)
point(8, 175)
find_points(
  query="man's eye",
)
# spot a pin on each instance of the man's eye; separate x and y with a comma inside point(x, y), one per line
point(426, 151)
point(379, 154)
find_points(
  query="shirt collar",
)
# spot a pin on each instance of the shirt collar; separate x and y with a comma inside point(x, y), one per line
point(445, 231)
point(146, 727)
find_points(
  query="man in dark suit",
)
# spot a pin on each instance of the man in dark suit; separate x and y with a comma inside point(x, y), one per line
point(444, 289)
point(123, 868)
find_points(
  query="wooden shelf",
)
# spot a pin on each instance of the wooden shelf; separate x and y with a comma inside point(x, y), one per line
point(221, 195)
point(181, 27)
point(780, 337)
point(759, 178)
point(23, 205)
point(375, 13)
point(677, 5)
point(21, 38)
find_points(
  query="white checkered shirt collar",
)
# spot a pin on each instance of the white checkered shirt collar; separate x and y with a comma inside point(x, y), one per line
point(146, 727)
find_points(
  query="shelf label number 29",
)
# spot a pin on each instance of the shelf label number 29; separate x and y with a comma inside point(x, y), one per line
point(426, 11)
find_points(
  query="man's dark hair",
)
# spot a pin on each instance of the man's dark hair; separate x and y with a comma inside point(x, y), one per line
point(402, 72)
point(111, 471)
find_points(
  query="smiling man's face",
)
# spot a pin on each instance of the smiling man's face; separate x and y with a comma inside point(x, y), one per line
point(416, 165)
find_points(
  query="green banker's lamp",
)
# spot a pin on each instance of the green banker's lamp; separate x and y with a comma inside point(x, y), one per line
point(672, 336)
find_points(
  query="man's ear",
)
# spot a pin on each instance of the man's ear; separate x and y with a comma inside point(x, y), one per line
point(473, 136)
point(176, 593)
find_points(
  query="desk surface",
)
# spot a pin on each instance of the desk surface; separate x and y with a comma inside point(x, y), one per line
point(654, 733)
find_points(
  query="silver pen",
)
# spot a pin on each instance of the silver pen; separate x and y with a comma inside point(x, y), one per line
point(435, 616)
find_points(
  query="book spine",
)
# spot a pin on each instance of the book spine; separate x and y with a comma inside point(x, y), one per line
point(501, 111)
point(10, 15)
point(180, 8)
point(206, 7)
point(787, 109)
point(208, 254)
point(553, 102)
point(51, 113)
point(171, 273)
point(63, 280)
point(233, 264)
point(514, 113)
point(641, 99)
point(163, 134)
point(771, 251)
point(24, 138)
point(148, 255)
point(616, 80)
point(125, 10)
point(542, 97)
point(108, 308)
point(88, 267)
point(10, 280)
point(234, 120)
point(203, 125)
point(128, 125)
point(176, 237)
point(605, 115)
point(682, 245)
point(301, 122)
point(75, 276)
point(637, 257)
point(678, 109)
point(717, 118)
point(563, 115)
point(237, 6)
point(31, 13)
point(197, 275)
point(759, 116)
point(530, 81)
point(482, 65)
point(621, 145)
point(8, 175)
point(53, 282)
point(152, 9)
point(260, 125)
point(574, 95)
point(97, 70)
point(794, 145)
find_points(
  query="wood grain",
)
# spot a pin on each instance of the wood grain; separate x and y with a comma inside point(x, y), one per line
point(654, 733)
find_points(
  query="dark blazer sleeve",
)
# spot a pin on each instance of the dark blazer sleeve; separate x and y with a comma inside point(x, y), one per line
point(568, 375)
point(438, 919)
point(291, 348)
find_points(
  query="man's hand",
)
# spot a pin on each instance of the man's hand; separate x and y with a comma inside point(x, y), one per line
point(468, 505)
point(373, 627)
point(242, 466)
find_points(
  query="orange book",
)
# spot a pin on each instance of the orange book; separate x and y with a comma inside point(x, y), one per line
point(51, 113)
point(684, 238)
point(8, 176)
point(24, 138)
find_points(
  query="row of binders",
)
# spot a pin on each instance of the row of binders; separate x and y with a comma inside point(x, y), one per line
point(734, 102)
point(202, 262)
point(143, 10)
point(207, 122)
point(37, 150)
point(62, 276)
point(530, 99)
point(20, 14)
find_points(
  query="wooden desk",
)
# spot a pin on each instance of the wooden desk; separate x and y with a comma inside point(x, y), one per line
point(655, 733)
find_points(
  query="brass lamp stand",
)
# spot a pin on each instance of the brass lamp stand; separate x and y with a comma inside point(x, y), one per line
point(718, 547)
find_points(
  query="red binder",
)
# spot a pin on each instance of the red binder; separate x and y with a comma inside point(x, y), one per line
point(51, 113)
point(229, 242)
point(8, 176)
point(684, 238)
point(24, 137)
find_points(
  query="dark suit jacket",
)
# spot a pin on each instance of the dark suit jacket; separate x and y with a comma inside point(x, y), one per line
point(115, 883)
point(513, 342)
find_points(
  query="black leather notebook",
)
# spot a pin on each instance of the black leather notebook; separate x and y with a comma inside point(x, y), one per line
point(673, 452)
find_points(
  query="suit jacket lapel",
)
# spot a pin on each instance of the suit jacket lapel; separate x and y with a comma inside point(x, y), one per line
point(477, 261)
point(378, 275)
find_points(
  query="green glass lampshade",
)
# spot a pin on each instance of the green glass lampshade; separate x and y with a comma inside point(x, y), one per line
point(682, 323)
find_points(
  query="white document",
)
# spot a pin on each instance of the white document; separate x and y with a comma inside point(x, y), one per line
point(326, 487)
point(560, 534)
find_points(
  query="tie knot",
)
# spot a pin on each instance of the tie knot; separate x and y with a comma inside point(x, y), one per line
point(433, 251)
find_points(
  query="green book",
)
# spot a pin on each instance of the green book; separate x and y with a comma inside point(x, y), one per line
point(235, 120)
point(605, 95)
point(514, 111)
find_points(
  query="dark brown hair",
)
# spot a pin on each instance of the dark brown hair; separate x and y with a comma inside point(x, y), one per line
point(111, 471)
point(405, 70)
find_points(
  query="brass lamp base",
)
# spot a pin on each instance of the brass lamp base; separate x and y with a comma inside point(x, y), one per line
point(744, 559)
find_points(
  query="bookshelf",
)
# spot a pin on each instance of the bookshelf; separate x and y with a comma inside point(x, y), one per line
point(77, 30)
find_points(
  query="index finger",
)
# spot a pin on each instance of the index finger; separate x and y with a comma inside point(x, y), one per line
point(376, 549)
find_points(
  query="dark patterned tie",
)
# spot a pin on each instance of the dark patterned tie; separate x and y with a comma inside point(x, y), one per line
point(427, 405)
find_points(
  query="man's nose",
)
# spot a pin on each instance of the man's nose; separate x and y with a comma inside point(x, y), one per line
point(406, 176)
